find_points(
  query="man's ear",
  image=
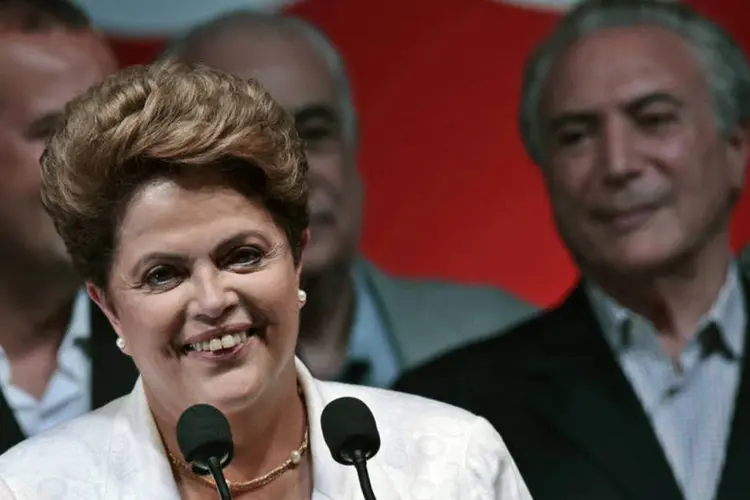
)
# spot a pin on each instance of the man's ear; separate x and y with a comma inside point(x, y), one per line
point(737, 156)
point(100, 298)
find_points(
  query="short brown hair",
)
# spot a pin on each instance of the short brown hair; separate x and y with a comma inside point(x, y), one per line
point(165, 120)
point(32, 16)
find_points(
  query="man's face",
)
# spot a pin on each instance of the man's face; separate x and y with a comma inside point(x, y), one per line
point(299, 79)
point(39, 74)
point(637, 171)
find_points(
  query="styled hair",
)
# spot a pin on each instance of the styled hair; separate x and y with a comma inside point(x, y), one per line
point(167, 120)
point(38, 16)
point(721, 59)
point(246, 20)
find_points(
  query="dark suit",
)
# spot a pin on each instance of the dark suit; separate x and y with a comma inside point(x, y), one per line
point(577, 430)
point(112, 375)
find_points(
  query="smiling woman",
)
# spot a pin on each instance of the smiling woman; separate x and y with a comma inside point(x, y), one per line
point(180, 194)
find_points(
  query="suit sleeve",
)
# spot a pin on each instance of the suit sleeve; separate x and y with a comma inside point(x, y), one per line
point(489, 472)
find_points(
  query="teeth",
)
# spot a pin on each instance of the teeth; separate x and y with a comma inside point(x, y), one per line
point(226, 341)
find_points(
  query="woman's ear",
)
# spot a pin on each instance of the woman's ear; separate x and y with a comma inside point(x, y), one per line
point(302, 245)
point(101, 299)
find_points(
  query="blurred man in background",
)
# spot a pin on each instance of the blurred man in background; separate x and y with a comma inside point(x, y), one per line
point(58, 357)
point(637, 112)
point(745, 260)
point(359, 325)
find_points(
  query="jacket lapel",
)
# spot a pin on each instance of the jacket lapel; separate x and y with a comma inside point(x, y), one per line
point(735, 480)
point(10, 431)
point(113, 374)
point(137, 465)
point(583, 392)
point(332, 480)
point(379, 287)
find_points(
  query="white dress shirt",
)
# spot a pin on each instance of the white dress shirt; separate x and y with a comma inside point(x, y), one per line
point(68, 394)
point(429, 450)
point(690, 402)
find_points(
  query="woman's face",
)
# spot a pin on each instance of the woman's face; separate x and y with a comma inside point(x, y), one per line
point(204, 290)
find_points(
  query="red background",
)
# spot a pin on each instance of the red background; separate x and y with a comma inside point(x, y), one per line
point(449, 190)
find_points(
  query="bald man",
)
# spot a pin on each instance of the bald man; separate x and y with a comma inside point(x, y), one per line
point(359, 325)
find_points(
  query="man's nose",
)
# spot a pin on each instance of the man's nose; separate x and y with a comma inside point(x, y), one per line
point(616, 147)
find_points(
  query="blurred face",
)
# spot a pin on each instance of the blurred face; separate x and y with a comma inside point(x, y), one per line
point(38, 75)
point(299, 79)
point(638, 174)
point(204, 290)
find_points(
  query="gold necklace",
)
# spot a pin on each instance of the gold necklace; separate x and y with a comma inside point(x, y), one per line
point(295, 458)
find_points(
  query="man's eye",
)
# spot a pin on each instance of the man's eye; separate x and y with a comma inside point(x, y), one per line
point(570, 137)
point(315, 133)
point(656, 121)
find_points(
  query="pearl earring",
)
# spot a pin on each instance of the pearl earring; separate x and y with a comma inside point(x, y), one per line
point(302, 295)
point(120, 343)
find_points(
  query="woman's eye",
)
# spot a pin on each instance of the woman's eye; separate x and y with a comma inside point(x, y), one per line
point(160, 276)
point(244, 257)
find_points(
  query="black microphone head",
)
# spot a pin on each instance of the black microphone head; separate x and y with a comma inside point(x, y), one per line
point(348, 426)
point(203, 432)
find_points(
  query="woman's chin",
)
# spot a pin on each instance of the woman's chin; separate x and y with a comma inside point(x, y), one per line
point(232, 391)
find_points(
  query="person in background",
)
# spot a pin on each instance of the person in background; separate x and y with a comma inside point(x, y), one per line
point(360, 325)
point(181, 195)
point(57, 357)
point(637, 386)
point(745, 260)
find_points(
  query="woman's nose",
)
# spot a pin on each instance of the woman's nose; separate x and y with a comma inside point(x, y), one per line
point(213, 298)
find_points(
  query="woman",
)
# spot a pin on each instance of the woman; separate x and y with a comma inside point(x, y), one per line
point(180, 193)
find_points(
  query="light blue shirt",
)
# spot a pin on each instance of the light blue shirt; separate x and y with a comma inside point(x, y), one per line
point(68, 394)
point(690, 402)
point(370, 341)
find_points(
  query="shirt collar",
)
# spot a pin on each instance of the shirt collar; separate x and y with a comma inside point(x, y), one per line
point(369, 342)
point(77, 335)
point(71, 354)
point(727, 313)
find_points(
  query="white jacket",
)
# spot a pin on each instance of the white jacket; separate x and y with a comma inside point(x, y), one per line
point(429, 450)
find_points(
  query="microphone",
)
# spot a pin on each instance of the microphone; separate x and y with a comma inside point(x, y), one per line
point(352, 437)
point(205, 441)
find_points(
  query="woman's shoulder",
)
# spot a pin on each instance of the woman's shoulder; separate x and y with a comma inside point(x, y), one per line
point(404, 418)
point(445, 451)
point(70, 448)
point(396, 406)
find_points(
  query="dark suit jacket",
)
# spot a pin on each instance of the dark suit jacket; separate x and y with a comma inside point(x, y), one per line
point(575, 427)
point(112, 375)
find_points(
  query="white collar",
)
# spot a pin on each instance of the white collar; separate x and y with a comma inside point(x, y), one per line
point(330, 479)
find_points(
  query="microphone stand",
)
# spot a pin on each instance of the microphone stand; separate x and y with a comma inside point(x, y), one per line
point(360, 464)
point(221, 483)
